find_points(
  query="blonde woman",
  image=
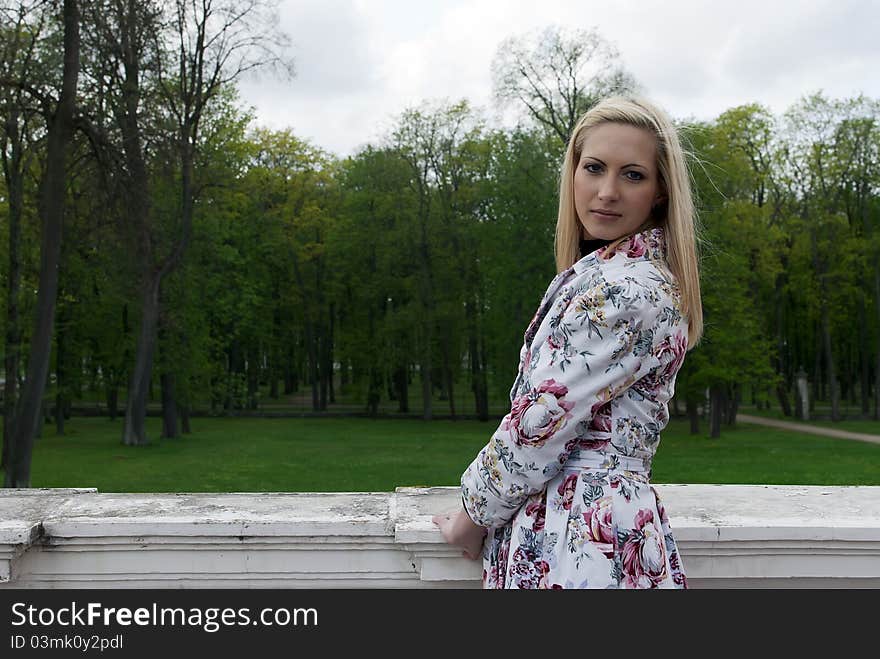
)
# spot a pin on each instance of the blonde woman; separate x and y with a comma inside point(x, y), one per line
point(560, 496)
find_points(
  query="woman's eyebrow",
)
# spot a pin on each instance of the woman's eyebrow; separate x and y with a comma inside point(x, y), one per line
point(599, 160)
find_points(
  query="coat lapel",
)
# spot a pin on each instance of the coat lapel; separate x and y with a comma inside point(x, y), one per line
point(546, 301)
point(645, 245)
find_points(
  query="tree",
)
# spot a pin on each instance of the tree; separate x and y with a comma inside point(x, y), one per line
point(859, 137)
point(19, 63)
point(432, 141)
point(739, 258)
point(460, 165)
point(121, 38)
point(207, 47)
point(819, 161)
point(519, 208)
point(193, 296)
point(558, 74)
point(377, 300)
point(60, 119)
point(283, 260)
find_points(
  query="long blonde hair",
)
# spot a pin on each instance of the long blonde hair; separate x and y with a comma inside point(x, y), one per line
point(676, 214)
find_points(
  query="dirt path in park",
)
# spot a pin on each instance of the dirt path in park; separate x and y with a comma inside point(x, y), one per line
point(813, 430)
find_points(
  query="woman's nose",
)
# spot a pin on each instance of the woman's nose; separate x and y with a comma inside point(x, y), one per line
point(608, 188)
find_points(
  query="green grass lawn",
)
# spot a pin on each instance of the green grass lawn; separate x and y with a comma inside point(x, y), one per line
point(363, 455)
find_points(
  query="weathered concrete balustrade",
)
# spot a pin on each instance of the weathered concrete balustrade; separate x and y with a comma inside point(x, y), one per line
point(730, 536)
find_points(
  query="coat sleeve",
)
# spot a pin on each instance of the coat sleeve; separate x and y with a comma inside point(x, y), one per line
point(604, 336)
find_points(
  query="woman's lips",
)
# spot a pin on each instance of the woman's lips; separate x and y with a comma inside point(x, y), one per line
point(605, 216)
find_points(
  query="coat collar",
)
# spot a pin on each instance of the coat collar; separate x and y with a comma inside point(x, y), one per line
point(646, 245)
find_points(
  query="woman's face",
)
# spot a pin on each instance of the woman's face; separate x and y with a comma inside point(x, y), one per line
point(616, 181)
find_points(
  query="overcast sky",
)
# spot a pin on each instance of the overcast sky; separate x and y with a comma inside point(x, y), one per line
point(362, 62)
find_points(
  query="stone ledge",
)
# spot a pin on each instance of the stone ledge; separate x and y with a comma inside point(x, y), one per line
point(729, 536)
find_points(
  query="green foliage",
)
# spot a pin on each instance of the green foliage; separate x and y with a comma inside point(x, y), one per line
point(516, 238)
point(741, 246)
point(429, 250)
point(376, 264)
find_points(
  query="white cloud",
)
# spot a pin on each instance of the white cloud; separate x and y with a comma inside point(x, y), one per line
point(362, 62)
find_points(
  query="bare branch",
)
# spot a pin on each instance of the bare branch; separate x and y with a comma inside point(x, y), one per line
point(557, 75)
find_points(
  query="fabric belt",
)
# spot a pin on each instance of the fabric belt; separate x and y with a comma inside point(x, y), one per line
point(615, 461)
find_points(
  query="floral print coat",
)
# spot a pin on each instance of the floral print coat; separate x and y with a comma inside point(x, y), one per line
point(563, 483)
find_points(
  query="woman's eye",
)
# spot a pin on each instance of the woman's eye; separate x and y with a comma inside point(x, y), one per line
point(593, 168)
point(634, 176)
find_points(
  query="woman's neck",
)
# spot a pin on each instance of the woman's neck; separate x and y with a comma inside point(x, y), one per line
point(590, 245)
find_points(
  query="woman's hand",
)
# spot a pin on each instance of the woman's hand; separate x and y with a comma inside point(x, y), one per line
point(460, 531)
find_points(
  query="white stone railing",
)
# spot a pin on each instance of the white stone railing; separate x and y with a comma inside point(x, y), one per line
point(729, 536)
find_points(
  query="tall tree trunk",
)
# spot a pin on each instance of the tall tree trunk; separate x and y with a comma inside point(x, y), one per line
point(311, 340)
point(169, 406)
point(476, 351)
point(784, 400)
point(401, 379)
point(59, 372)
point(691, 407)
point(374, 381)
point(112, 391)
point(253, 378)
point(450, 387)
point(427, 386)
point(877, 346)
point(329, 358)
point(289, 368)
point(139, 208)
point(134, 427)
point(310, 331)
point(51, 205)
point(825, 328)
point(273, 382)
point(118, 375)
point(717, 401)
point(323, 370)
point(343, 373)
point(274, 372)
point(166, 378)
point(374, 389)
point(13, 172)
point(275, 367)
point(829, 363)
point(184, 419)
point(183, 395)
point(733, 403)
point(445, 349)
point(427, 303)
point(479, 385)
point(817, 379)
point(782, 366)
point(234, 367)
